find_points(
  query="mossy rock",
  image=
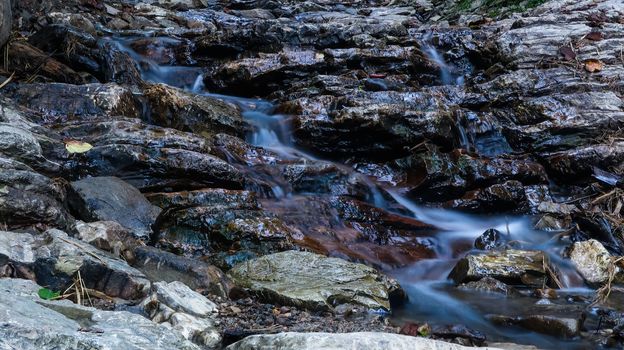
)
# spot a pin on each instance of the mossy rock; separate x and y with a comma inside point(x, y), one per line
point(315, 282)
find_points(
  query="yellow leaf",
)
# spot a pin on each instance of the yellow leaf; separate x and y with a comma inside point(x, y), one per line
point(593, 65)
point(73, 146)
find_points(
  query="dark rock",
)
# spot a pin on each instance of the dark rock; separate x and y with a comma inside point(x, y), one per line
point(174, 108)
point(110, 198)
point(490, 239)
point(227, 225)
point(28, 198)
point(5, 22)
point(158, 265)
point(562, 327)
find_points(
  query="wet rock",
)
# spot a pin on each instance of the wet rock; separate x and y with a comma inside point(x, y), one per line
point(326, 341)
point(315, 282)
point(186, 311)
point(562, 327)
point(5, 22)
point(227, 225)
point(159, 265)
point(434, 175)
point(60, 102)
point(148, 157)
point(490, 240)
point(110, 198)
point(594, 262)
point(370, 124)
point(28, 198)
point(529, 267)
point(27, 322)
point(184, 111)
point(19, 144)
point(491, 285)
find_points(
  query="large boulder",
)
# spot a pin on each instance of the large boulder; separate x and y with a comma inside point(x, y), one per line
point(330, 341)
point(315, 281)
point(5, 22)
point(110, 198)
point(55, 259)
point(29, 323)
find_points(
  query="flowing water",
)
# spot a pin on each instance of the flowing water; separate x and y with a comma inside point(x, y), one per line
point(433, 298)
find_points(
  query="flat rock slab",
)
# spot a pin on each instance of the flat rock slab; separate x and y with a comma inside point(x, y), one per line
point(29, 323)
point(110, 198)
point(339, 341)
point(528, 267)
point(315, 281)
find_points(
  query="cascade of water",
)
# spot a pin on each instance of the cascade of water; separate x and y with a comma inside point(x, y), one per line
point(446, 71)
point(425, 280)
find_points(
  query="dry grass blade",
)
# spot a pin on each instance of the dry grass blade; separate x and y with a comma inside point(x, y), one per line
point(602, 294)
point(8, 80)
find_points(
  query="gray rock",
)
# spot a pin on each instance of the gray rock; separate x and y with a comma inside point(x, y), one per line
point(29, 323)
point(185, 310)
point(529, 267)
point(491, 285)
point(315, 281)
point(110, 198)
point(335, 341)
point(592, 261)
point(54, 258)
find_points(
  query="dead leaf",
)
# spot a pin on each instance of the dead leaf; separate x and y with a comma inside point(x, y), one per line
point(73, 146)
point(594, 36)
point(567, 53)
point(593, 65)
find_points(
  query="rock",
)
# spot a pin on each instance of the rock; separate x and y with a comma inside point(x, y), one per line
point(110, 198)
point(491, 285)
point(150, 158)
point(327, 341)
point(188, 312)
point(225, 224)
point(55, 258)
point(315, 282)
point(174, 108)
point(28, 198)
point(29, 323)
point(109, 236)
point(489, 240)
point(562, 327)
point(5, 22)
point(592, 261)
point(60, 101)
point(159, 265)
point(529, 267)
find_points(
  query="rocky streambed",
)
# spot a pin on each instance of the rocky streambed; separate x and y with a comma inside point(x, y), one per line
point(305, 175)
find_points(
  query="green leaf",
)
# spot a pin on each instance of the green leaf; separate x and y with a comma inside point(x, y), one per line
point(47, 294)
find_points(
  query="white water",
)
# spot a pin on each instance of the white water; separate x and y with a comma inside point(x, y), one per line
point(446, 71)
